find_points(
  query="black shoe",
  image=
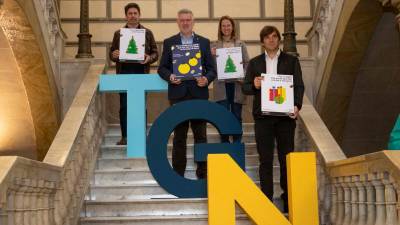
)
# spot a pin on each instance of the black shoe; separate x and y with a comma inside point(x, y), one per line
point(285, 208)
point(285, 203)
point(122, 141)
point(201, 171)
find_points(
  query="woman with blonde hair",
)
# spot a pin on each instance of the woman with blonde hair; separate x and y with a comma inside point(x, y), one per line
point(229, 92)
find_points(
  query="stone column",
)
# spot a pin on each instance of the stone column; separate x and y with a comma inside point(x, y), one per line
point(347, 201)
point(340, 201)
point(289, 41)
point(362, 199)
point(371, 198)
point(85, 49)
point(334, 203)
point(380, 202)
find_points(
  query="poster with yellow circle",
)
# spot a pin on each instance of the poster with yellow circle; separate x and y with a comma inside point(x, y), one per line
point(186, 60)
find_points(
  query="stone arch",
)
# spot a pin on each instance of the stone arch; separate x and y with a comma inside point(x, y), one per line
point(30, 69)
point(354, 36)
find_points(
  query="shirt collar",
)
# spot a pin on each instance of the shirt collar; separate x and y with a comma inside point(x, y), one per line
point(186, 37)
point(276, 56)
point(138, 27)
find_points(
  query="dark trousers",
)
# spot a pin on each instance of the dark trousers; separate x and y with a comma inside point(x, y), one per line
point(123, 113)
point(127, 68)
point(179, 158)
point(267, 130)
point(234, 108)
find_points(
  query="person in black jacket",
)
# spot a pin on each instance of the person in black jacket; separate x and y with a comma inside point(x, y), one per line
point(269, 128)
point(132, 16)
point(179, 90)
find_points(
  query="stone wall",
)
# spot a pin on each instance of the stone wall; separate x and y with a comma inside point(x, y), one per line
point(106, 16)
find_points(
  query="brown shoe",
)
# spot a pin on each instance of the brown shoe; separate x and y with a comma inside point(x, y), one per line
point(122, 141)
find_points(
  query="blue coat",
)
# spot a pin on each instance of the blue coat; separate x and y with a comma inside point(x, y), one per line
point(176, 92)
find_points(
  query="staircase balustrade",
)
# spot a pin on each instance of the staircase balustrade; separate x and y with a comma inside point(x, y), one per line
point(51, 192)
point(365, 189)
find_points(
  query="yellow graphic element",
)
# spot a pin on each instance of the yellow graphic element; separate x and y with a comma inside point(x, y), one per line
point(198, 55)
point(284, 93)
point(302, 188)
point(184, 68)
point(193, 62)
point(228, 183)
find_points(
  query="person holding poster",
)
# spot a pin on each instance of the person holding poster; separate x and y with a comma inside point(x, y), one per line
point(132, 16)
point(269, 128)
point(229, 92)
point(182, 90)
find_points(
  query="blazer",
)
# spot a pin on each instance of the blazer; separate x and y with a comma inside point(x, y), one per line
point(287, 64)
point(150, 49)
point(219, 85)
point(165, 69)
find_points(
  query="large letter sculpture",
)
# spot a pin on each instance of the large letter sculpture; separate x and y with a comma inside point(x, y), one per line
point(157, 141)
point(228, 184)
point(135, 87)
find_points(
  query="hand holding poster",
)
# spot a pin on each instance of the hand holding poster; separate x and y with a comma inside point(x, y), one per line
point(277, 94)
point(186, 61)
point(132, 43)
point(230, 63)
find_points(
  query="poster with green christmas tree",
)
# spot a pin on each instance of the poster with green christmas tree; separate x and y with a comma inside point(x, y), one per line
point(132, 42)
point(230, 63)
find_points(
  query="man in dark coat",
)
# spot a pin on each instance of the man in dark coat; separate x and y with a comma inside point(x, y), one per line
point(269, 128)
point(132, 16)
point(181, 90)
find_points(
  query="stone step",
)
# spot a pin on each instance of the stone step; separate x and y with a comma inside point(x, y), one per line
point(145, 190)
point(130, 176)
point(116, 129)
point(212, 137)
point(157, 220)
point(113, 151)
point(148, 207)
point(141, 163)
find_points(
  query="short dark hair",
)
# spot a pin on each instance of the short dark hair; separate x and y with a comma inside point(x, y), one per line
point(267, 30)
point(132, 5)
point(220, 34)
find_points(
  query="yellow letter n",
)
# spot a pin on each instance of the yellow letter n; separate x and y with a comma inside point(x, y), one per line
point(228, 183)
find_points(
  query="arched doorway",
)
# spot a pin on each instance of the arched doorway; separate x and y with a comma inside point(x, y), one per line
point(357, 100)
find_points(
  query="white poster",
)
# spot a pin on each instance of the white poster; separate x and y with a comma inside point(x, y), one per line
point(230, 63)
point(277, 94)
point(131, 45)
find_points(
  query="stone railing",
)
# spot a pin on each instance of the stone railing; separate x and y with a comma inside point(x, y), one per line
point(321, 36)
point(362, 190)
point(312, 131)
point(365, 189)
point(51, 192)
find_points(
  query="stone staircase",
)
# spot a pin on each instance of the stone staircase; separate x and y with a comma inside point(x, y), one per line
point(123, 190)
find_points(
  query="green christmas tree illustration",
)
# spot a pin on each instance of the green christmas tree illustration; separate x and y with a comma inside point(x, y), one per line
point(132, 48)
point(230, 65)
